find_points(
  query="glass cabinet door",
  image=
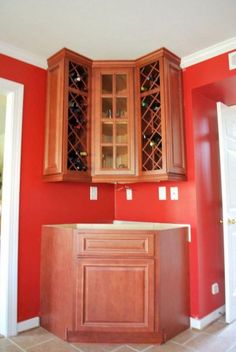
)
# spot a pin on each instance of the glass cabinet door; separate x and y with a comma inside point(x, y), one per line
point(114, 121)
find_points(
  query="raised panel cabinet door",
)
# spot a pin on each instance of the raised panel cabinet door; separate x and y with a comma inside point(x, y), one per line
point(115, 295)
point(174, 121)
point(54, 120)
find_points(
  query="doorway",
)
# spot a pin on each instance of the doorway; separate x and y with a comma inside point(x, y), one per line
point(227, 144)
point(211, 269)
point(10, 206)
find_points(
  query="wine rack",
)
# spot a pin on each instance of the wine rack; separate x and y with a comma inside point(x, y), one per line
point(67, 138)
point(77, 118)
point(151, 123)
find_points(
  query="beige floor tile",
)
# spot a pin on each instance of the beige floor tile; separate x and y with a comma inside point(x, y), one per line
point(4, 342)
point(125, 348)
point(215, 328)
point(170, 347)
point(229, 332)
point(32, 337)
point(11, 348)
point(233, 349)
point(139, 347)
point(55, 345)
point(222, 318)
point(8, 346)
point(209, 343)
point(185, 336)
point(96, 347)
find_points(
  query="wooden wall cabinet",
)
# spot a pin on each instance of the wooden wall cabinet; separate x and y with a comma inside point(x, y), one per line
point(67, 137)
point(127, 286)
point(137, 119)
point(160, 117)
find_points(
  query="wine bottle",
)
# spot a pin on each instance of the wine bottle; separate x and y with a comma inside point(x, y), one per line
point(109, 113)
point(82, 153)
point(154, 140)
point(155, 107)
point(144, 104)
point(74, 106)
point(76, 112)
point(150, 77)
point(74, 122)
point(143, 89)
point(75, 162)
point(79, 80)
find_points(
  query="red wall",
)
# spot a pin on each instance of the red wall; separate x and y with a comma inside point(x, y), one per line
point(43, 203)
point(199, 201)
point(209, 210)
point(199, 197)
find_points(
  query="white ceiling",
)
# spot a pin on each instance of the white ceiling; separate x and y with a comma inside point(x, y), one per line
point(116, 29)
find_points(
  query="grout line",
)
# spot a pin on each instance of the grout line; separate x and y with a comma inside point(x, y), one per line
point(76, 348)
point(81, 350)
point(190, 339)
point(136, 350)
point(117, 348)
point(182, 345)
point(146, 349)
point(15, 344)
point(34, 345)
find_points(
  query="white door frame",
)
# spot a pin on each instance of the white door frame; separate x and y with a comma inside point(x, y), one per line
point(10, 206)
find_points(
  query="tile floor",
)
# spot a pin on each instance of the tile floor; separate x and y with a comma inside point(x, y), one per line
point(217, 337)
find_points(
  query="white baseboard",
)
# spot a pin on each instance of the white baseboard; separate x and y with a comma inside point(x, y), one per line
point(208, 319)
point(28, 324)
point(194, 323)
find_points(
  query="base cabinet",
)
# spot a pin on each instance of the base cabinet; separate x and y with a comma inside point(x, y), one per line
point(109, 286)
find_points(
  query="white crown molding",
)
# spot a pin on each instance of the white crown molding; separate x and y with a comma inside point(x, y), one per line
point(209, 52)
point(22, 55)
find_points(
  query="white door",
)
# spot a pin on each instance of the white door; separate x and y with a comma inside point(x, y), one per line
point(227, 144)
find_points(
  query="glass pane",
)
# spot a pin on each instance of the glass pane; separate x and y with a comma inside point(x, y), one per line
point(107, 133)
point(107, 108)
point(121, 133)
point(121, 107)
point(121, 84)
point(121, 157)
point(106, 84)
point(107, 157)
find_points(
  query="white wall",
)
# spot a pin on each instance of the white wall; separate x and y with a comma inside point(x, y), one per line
point(3, 101)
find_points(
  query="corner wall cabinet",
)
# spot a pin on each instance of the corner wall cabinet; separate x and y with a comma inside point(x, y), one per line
point(127, 286)
point(136, 117)
point(160, 119)
point(67, 138)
